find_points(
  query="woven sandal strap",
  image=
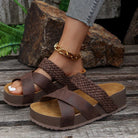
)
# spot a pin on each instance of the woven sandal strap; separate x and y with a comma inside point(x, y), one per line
point(73, 99)
point(53, 70)
point(94, 91)
point(56, 73)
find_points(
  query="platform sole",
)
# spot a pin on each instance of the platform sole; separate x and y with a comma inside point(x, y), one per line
point(78, 125)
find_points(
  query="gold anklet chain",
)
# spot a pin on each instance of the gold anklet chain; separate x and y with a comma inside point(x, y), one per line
point(65, 53)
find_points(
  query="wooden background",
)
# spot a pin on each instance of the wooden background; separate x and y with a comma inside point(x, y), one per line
point(10, 13)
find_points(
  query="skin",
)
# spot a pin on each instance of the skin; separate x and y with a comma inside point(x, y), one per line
point(71, 40)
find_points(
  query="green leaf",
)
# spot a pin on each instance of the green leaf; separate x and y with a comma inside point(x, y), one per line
point(64, 5)
point(5, 51)
point(10, 38)
point(16, 48)
point(10, 30)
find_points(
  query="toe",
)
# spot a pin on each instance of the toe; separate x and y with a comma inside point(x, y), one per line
point(15, 88)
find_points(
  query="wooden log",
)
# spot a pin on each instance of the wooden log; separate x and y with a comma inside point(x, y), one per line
point(131, 37)
point(43, 28)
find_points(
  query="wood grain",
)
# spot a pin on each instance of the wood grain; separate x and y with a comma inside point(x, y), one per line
point(131, 49)
point(101, 129)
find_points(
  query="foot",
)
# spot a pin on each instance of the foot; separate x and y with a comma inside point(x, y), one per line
point(68, 66)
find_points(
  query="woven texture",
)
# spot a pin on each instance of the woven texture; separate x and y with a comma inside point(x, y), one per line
point(94, 91)
point(56, 73)
point(79, 81)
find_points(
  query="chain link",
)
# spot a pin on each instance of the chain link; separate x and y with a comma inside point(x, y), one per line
point(66, 53)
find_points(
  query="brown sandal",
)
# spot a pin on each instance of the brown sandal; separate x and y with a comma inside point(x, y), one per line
point(28, 80)
point(66, 109)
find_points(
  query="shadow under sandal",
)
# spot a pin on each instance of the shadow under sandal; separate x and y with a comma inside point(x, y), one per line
point(28, 80)
point(66, 109)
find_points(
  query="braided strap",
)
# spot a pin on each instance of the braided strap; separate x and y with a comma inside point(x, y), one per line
point(87, 86)
point(56, 73)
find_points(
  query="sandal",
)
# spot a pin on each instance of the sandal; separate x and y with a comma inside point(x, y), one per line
point(47, 86)
point(66, 109)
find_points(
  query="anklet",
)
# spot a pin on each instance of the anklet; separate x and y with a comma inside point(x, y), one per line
point(65, 53)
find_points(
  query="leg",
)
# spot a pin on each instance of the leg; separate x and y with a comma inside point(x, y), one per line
point(73, 35)
point(73, 29)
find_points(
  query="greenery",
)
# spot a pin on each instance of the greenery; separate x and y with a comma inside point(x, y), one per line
point(11, 36)
point(64, 5)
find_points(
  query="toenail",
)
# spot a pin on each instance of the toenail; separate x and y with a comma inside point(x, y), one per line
point(11, 88)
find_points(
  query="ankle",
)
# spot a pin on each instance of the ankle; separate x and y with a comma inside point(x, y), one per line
point(67, 65)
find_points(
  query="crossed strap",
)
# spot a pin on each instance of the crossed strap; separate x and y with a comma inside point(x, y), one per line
point(66, 98)
point(28, 80)
point(79, 81)
point(69, 100)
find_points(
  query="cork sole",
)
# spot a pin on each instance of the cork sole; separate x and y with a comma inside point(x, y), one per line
point(76, 126)
point(50, 109)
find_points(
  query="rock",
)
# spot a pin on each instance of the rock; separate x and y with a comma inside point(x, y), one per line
point(106, 49)
point(43, 28)
point(131, 37)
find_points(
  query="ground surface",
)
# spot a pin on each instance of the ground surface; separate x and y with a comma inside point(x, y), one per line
point(15, 122)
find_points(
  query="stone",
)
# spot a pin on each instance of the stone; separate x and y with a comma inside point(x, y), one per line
point(43, 28)
point(131, 37)
point(105, 48)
